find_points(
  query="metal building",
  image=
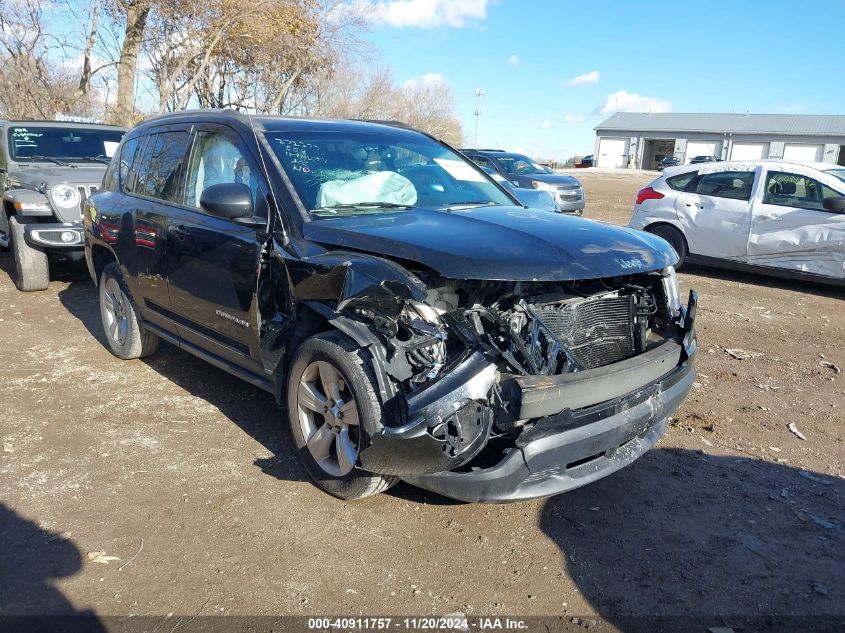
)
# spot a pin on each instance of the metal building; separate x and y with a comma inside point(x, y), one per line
point(640, 140)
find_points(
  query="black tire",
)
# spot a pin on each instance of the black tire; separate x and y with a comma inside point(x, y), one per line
point(31, 267)
point(358, 383)
point(4, 227)
point(122, 326)
point(675, 239)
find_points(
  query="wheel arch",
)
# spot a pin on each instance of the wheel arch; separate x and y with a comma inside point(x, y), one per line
point(101, 256)
point(314, 317)
point(649, 228)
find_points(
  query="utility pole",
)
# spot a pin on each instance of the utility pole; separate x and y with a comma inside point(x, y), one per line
point(478, 94)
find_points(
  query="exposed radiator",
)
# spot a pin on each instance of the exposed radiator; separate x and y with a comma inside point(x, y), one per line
point(597, 331)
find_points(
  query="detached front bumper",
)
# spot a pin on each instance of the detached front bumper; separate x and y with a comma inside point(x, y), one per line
point(67, 235)
point(580, 444)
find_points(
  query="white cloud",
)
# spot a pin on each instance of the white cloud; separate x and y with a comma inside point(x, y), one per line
point(591, 77)
point(546, 124)
point(573, 118)
point(429, 14)
point(428, 78)
point(623, 101)
point(513, 60)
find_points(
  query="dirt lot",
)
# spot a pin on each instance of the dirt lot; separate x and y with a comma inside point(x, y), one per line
point(731, 514)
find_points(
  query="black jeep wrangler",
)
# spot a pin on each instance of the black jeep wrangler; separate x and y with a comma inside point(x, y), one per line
point(47, 169)
point(417, 321)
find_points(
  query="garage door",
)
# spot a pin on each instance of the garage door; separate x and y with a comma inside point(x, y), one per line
point(703, 148)
point(803, 151)
point(613, 152)
point(749, 151)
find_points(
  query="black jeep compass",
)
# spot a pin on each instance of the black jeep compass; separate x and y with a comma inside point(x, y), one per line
point(416, 321)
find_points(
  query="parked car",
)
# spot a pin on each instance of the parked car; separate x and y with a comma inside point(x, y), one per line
point(531, 198)
point(697, 160)
point(587, 161)
point(667, 161)
point(47, 168)
point(524, 172)
point(775, 217)
point(417, 321)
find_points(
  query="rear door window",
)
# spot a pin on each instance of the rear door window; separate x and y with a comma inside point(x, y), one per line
point(164, 169)
point(735, 185)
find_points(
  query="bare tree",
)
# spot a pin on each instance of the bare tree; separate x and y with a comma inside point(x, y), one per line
point(131, 17)
point(353, 92)
point(87, 71)
point(30, 85)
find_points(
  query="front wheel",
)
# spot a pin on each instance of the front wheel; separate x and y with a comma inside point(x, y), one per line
point(333, 410)
point(32, 269)
point(674, 237)
point(125, 334)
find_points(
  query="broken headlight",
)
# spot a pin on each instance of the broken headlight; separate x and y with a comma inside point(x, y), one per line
point(670, 288)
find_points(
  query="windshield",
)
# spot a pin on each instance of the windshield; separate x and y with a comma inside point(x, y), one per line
point(66, 144)
point(521, 165)
point(837, 173)
point(339, 173)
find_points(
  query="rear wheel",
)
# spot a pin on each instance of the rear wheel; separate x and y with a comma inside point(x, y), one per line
point(675, 239)
point(333, 409)
point(32, 270)
point(125, 334)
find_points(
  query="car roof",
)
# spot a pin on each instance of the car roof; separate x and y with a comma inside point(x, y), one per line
point(749, 164)
point(269, 123)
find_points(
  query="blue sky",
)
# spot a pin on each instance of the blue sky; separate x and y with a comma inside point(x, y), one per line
point(709, 56)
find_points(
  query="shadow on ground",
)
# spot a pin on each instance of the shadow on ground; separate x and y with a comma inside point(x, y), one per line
point(252, 409)
point(722, 538)
point(32, 560)
point(768, 281)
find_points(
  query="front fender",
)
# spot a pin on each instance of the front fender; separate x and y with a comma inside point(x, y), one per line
point(354, 280)
point(28, 202)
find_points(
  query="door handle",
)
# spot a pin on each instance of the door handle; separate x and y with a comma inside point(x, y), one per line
point(770, 217)
point(179, 232)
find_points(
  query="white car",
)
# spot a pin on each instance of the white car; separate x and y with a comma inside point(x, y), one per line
point(777, 217)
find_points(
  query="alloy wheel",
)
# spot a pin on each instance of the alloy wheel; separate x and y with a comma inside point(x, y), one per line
point(328, 418)
point(117, 319)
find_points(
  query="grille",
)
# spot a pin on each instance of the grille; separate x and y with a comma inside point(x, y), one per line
point(596, 332)
point(85, 191)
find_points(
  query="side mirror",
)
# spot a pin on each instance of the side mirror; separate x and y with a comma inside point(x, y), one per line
point(835, 204)
point(229, 200)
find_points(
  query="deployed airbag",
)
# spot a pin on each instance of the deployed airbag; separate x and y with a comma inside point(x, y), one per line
point(382, 186)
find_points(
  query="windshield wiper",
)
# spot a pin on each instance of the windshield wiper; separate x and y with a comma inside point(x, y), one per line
point(98, 159)
point(51, 159)
point(467, 203)
point(361, 205)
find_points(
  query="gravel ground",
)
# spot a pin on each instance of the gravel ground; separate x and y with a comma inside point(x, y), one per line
point(187, 478)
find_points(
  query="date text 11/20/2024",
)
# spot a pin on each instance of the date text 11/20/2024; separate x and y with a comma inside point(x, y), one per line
point(427, 623)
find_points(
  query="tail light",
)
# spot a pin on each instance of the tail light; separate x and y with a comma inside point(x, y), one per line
point(648, 194)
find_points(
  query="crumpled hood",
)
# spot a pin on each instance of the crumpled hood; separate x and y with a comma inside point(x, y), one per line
point(499, 243)
point(51, 174)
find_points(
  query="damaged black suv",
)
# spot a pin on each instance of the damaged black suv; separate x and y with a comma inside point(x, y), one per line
point(416, 320)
